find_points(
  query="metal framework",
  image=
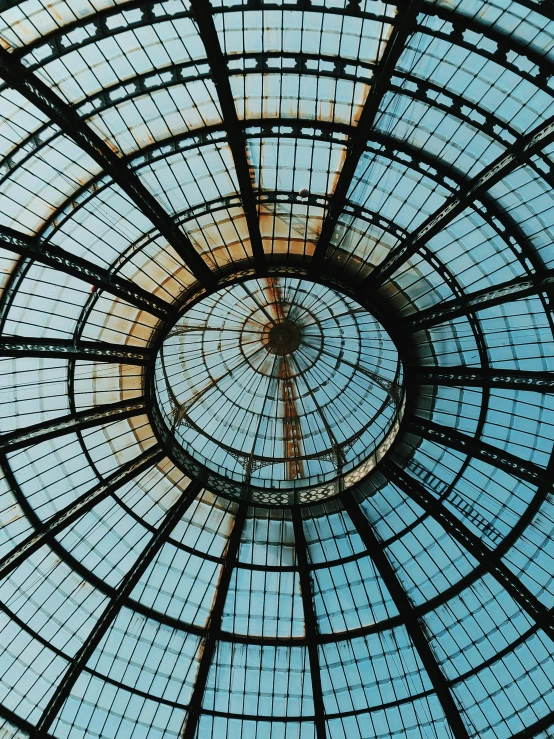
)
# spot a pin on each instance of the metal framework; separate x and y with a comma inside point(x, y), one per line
point(522, 150)
point(79, 421)
point(479, 449)
point(383, 132)
point(58, 259)
point(538, 612)
point(203, 15)
point(47, 101)
point(79, 350)
point(310, 621)
point(68, 515)
point(214, 628)
point(414, 628)
point(521, 287)
point(539, 382)
point(131, 579)
point(404, 26)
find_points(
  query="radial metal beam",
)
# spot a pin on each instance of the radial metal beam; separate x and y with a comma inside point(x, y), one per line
point(522, 150)
point(536, 729)
point(405, 25)
point(210, 641)
point(79, 421)
point(310, 621)
point(129, 582)
point(203, 15)
point(70, 122)
point(453, 439)
point(414, 627)
point(86, 502)
point(90, 351)
point(540, 382)
point(520, 287)
point(539, 612)
point(59, 259)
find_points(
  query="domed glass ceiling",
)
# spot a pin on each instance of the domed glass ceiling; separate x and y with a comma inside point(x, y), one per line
point(284, 386)
point(381, 174)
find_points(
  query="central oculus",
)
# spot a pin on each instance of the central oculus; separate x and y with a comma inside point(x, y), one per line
point(282, 390)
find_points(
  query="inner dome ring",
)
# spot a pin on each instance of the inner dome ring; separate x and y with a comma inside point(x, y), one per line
point(278, 390)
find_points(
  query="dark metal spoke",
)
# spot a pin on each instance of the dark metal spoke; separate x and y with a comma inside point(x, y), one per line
point(79, 421)
point(505, 292)
point(202, 12)
point(523, 149)
point(453, 439)
point(129, 582)
point(404, 26)
point(214, 628)
point(61, 260)
point(70, 122)
point(415, 629)
point(44, 532)
point(540, 613)
point(540, 382)
point(78, 350)
point(543, 724)
point(310, 621)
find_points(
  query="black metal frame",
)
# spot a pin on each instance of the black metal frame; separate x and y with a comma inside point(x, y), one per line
point(537, 281)
point(131, 579)
point(203, 15)
point(214, 628)
point(80, 420)
point(310, 621)
point(536, 610)
point(539, 382)
point(403, 28)
point(415, 629)
point(90, 351)
point(53, 106)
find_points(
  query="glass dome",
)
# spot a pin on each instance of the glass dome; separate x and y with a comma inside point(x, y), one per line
point(276, 335)
point(286, 387)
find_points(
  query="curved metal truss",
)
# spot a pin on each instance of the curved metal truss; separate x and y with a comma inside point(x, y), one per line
point(153, 153)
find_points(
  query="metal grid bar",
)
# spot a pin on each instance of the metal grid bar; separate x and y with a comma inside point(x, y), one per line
point(47, 101)
point(523, 149)
point(310, 621)
point(129, 582)
point(59, 259)
point(203, 15)
point(210, 640)
point(540, 382)
point(79, 421)
point(64, 518)
point(540, 613)
point(404, 27)
point(78, 350)
point(414, 628)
